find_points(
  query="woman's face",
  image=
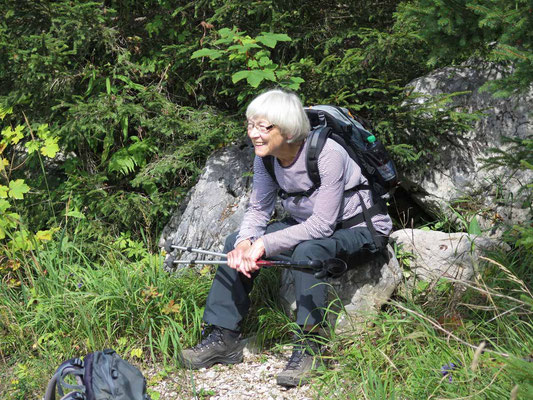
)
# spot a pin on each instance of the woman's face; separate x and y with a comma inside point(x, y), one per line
point(266, 137)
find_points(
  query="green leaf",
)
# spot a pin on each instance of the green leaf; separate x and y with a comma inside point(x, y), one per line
point(13, 136)
point(50, 147)
point(124, 123)
point(44, 236)
point(243, 48)
point(32, 145)
point(108, 85)
point(4, 204)
point(211, 53)
point(75, 214)
point(42, 131)
point(4, 112)
point(473, 227)
point(17, 188)
point(130, 84)
point(225, 32)
point(264, 61)
point(237, 76)
point(255, 78)
point(271, 39)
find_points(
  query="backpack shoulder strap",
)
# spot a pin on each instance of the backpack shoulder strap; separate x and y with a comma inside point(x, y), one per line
point(73, 367)
point(268, 162)
point(317, 139)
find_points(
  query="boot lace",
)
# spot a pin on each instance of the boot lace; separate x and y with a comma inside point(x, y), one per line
point(216, 336)
point(296, 359)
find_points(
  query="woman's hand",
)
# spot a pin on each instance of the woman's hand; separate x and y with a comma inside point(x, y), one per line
point(235, 256)
point(245, 255)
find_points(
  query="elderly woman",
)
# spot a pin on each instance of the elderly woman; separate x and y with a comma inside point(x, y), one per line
point(278, 126)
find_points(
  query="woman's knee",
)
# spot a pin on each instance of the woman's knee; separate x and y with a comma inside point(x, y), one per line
point(230, 242)
point(320, 249)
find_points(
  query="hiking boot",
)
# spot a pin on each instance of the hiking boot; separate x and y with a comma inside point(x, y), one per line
point(303, 361)
point(220, 346)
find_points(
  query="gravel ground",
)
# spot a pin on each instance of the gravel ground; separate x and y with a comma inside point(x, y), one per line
point(255, 378)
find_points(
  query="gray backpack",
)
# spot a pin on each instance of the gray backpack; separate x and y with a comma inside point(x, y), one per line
point(101, 375)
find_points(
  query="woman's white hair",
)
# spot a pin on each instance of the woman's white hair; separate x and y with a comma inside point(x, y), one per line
point(283, 109)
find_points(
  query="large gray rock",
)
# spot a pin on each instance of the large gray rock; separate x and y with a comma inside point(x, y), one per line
point(495, 194)
point(433, 255)
point(356, 295)
point(216, 205)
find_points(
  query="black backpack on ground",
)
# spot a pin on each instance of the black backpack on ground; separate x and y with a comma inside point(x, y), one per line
point(101, 375)
point(362, 146)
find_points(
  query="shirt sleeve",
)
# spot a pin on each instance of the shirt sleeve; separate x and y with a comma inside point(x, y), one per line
point(261, 204)
point(326, 208)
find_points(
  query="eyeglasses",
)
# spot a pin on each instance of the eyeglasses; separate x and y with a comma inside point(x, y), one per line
point(262, 128)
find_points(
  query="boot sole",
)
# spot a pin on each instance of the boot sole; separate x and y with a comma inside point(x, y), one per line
point(291, 381)
point(233, 358)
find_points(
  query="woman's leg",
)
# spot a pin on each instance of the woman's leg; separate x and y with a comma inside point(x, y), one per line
point(311, 293)
point(228, 300)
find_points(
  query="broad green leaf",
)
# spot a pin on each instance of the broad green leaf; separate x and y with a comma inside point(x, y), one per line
point(17, 188)
point(4, 205)
point(255, 78)
point(136, 353)
point(237, 76)
point(108, 85)
point(252, 63)
point(13, 136)
point(211, 53)
point(264, 61)
point(32, 145)
point(3, 163)
point(225, 32)
point(44, 236)
point(4, 112)
point(50, 147)
point(474, 228)
point(3, 192)
point(271, 39)
point(75, 214)
point(267, 41)
point(244, 48)
point(42, 131)
point(269, 74)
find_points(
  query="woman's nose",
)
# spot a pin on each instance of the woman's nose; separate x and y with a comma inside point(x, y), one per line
point(253, 133)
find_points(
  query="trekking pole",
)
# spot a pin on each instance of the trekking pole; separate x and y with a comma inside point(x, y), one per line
point(334, 267)
point(170, 247)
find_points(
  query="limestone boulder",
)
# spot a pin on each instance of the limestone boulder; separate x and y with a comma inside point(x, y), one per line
point(216, 205)
point(497, 195)
point(432, 255)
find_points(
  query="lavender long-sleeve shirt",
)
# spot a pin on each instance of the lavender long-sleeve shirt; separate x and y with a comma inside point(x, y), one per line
point(318, 214)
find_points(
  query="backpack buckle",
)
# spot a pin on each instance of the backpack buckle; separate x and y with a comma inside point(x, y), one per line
point(77, 362)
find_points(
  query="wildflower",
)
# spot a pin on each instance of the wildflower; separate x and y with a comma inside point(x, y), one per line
point(80, 285)
point(446, 370)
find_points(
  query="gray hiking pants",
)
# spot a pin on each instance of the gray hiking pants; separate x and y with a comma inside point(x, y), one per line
point(228, 300)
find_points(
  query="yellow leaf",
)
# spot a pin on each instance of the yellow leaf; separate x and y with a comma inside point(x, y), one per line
point(136, 353)
point(3, 163)
point(3, 191)
point(45, 235)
